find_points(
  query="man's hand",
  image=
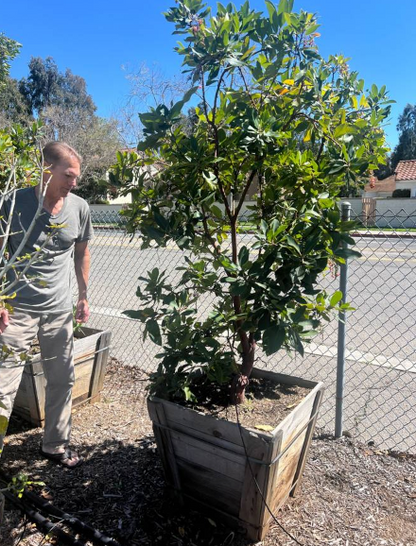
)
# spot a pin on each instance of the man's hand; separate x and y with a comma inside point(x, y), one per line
point(4, 319)
point(82, 313)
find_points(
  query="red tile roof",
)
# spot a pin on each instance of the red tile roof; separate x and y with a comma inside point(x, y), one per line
point(406, 170)
point(386, 185)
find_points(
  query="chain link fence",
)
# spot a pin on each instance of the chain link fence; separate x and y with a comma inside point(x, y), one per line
point(380, 367)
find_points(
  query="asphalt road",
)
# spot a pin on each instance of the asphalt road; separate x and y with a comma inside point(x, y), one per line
point(380, 380)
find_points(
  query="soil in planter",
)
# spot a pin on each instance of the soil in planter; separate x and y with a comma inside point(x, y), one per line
point(267, 403)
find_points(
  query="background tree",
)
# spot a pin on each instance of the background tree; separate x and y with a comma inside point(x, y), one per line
point(406, 148)
point(61, 102)
point(95, 138)
point(149, 86)
point(13, 106)
point(46, 86)
point(9, 49)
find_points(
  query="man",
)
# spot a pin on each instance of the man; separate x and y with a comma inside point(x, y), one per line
point(43, 302)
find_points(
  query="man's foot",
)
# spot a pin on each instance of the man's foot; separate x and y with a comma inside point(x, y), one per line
point(67, 458)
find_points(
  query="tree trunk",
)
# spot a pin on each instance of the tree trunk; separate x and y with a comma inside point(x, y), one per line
point(241, 380)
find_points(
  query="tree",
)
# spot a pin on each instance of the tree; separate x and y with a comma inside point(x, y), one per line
point(13, 107)
point(9, 49)
point(406, 148)
point(46, 86)
point(249, 130)
point(96, 139)
point(149, 86)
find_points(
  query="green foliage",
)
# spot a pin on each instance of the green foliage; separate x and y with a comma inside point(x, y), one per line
point(9, 49)
point(406, 148)
point(13, 107)
point(60, 101)
point(273, 117)
point(47, 86)
point(20, 156)
point(19, 483)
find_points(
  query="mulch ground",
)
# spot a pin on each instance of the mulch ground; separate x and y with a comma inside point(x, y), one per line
point(352, 494)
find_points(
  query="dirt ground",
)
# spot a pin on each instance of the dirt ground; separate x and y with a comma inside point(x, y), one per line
point(352, 494)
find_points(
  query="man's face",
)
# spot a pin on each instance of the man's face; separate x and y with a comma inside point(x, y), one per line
point(64, 176)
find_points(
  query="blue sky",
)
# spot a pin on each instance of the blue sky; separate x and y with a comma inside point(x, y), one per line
point(95, 39)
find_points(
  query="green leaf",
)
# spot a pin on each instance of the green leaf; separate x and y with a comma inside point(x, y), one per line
point(273, 339)
point(326, 203)
point(3, 425)
point(291, 242)
point(216, 211)
point(336, 298)
point(297, 343)
point(344, 129)
point(131, 313)
point(243, 255)
point(152, 327)
point(189, 396)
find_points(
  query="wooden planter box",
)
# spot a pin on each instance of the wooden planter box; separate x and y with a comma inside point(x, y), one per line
point(91, 349)
point(211, 462)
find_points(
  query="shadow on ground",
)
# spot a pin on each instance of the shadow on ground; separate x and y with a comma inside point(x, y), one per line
point(119, 489)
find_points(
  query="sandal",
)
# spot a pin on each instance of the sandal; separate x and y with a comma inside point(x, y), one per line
point(64, 458)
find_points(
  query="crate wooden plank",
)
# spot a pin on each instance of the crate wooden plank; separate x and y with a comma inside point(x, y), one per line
point(219, 491)
point(210, 457)
point(259, 528)
point(301, 413)
point(286, 473)
point(164, 443)
point(256, 486)
point(308, 439)
point(103, 351)
point(215, 431)
point(290, 460)
point(82, 383)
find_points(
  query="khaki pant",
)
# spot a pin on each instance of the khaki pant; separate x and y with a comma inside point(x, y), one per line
point(55, 333)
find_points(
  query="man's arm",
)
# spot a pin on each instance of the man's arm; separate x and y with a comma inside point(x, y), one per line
point(82, 271)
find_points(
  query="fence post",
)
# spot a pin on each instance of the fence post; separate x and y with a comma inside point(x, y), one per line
point(345, 216)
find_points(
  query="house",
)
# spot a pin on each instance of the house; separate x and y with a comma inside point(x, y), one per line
point(402, 181)
point(380, 188)
point(406, 176)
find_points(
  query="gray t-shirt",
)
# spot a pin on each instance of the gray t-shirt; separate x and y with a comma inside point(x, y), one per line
point(50, 286)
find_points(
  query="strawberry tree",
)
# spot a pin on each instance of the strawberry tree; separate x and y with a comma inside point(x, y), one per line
point(275, 120)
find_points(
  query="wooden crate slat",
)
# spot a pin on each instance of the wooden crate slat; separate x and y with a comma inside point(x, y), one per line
point(209, 457)
point(216, 431)
point(98, 374)
point(220, 491)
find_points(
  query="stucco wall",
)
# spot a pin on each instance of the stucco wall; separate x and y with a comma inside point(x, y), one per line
point(396, 213)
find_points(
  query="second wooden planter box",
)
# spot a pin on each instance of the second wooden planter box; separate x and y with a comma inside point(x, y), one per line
point(213, 462)
point(91, 350)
